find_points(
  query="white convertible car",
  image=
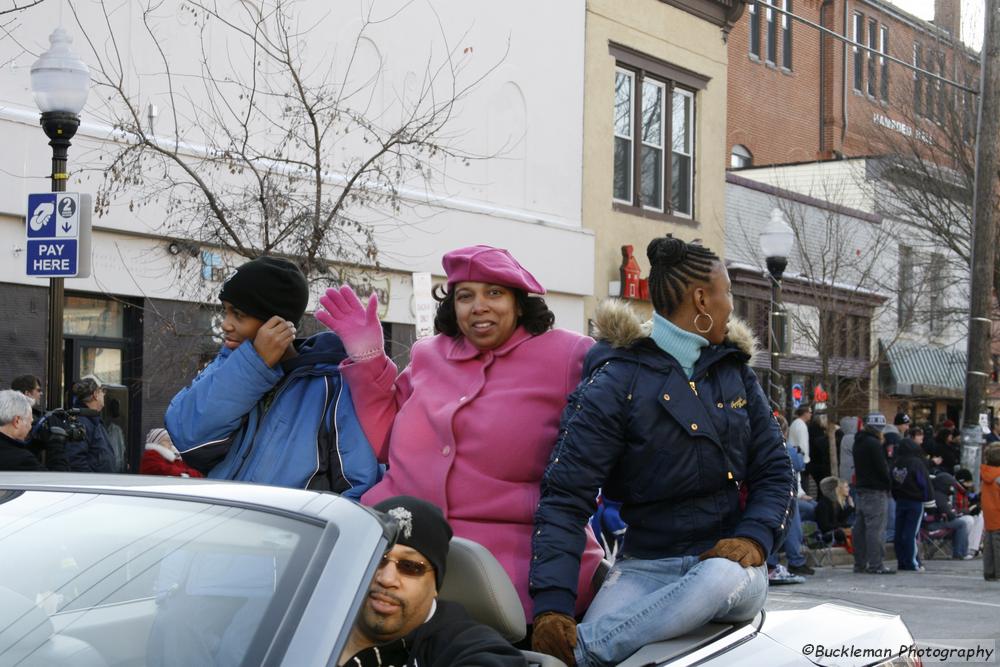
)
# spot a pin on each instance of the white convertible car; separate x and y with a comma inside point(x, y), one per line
point(89, 565)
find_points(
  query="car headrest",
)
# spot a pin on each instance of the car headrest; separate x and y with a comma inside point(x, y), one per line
point(479, 583)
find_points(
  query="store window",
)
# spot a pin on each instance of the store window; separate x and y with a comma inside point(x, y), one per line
point(84, 316)
point(95, 338)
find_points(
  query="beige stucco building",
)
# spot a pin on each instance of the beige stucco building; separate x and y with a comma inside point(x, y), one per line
point(675, 53)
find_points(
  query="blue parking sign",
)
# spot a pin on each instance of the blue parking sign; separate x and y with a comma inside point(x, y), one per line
point(57, 232)
point(52, 257)
point(42, 215)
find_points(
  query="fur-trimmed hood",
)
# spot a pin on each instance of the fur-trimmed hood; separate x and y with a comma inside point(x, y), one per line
point(620, 327)
point(165, 452)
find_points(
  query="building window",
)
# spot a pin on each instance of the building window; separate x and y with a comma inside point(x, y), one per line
point(651, 156)
point(929, 107)
point(624, 83)
point(937, 287)
point(970, 110)
point(905, 286)
point(844, 335)
point(858, 38)
point(870, 57)
point(682, 169)
point(883, 62)
point(741, 157)
point(212, 269)
point(772, 36)
point(754, 30)
point(918, 80)
point(786, 35)
point(654, 139)
point(943, 94)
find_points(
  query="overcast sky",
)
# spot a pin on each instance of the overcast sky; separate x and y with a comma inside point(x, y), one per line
point(972, 17)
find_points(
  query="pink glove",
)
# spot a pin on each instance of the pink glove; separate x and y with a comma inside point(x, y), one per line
point(357, 326)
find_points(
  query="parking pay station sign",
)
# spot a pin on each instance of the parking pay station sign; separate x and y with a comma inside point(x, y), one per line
point(58, 234)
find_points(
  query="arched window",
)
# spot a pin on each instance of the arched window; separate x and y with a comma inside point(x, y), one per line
point(741, 157)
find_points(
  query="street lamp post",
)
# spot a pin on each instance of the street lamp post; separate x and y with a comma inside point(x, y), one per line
point(776, 242)
point(60, 82)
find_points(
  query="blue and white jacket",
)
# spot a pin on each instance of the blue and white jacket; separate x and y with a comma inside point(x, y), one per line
point(293, 425)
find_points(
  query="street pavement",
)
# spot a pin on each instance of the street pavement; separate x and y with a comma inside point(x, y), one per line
point(949, 602)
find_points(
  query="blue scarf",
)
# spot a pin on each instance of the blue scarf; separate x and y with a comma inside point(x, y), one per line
point(682, 345)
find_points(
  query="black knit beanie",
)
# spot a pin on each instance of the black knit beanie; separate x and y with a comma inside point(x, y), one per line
point(422, 526)
point(268, 286)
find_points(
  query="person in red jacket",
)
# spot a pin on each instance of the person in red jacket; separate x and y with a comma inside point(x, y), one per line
point(162, 458)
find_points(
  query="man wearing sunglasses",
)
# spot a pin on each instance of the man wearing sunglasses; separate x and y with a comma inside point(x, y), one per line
point(401, 621)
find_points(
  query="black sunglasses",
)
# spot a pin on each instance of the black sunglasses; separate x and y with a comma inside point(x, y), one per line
point(405, 566)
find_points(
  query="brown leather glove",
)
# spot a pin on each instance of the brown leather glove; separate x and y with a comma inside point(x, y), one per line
point(555, 634)
point(740, 550)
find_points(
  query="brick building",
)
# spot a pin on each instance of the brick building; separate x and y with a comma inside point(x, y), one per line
point(797, 94)
point(835, 120)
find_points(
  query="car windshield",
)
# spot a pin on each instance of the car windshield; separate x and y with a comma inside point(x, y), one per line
point(91, 578)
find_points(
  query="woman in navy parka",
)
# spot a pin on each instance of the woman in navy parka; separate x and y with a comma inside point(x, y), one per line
point(671, 421)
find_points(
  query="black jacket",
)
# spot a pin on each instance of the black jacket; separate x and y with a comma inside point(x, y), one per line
point(674, 452)
point(15, 455)
point(94, 453)
point(451, 638)
point(910, 478)
point(871, 467)
point(830, 515)
point(819, 452)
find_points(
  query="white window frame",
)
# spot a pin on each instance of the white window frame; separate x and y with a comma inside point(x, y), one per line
point(754, 29)
point(632, 99)
point(664, 126)
point(692, 118)
point(883, 65)
point(771, 33)
point(786, 37)
point(857, 25)
point(871, 73)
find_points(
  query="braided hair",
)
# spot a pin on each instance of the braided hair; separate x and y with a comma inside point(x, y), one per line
point(674, 265)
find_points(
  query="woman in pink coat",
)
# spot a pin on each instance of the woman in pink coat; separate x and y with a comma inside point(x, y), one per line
point(469, 425)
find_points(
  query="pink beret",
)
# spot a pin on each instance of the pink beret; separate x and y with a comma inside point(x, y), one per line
point(486, 264)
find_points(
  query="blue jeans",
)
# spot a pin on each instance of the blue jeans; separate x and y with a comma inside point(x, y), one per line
point(645, 601)
point(960, 536)
point(792, 546)
point(807, 509)
point(908, 516)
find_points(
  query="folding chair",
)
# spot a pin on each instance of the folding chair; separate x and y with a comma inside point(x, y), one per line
point(820, 544)
point(935, 541)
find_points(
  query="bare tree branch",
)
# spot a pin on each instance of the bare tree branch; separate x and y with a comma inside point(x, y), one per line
point(274, 154)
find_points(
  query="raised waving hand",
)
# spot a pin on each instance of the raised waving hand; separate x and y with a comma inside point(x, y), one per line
point(358, 326)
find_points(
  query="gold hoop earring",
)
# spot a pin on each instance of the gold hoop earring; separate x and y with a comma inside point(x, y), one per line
point(711, 323)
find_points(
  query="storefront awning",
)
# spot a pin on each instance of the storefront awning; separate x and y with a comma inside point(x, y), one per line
point(924, 370)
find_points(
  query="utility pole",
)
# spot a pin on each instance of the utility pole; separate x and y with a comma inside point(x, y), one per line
point(985, 221)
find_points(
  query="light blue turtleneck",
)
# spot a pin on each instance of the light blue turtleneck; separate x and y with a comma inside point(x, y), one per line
point(682, 345)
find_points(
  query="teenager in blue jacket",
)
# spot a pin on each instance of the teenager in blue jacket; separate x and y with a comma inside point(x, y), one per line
point(671, 421)
point(271, 408)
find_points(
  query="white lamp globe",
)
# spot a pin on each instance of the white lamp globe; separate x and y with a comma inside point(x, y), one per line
point(778, 238)
point(60, 81)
